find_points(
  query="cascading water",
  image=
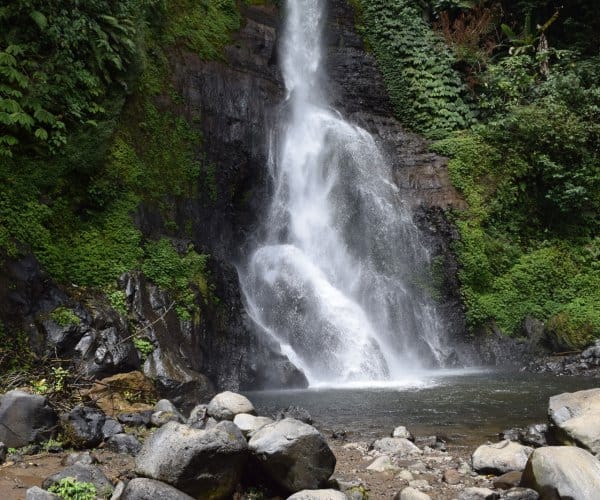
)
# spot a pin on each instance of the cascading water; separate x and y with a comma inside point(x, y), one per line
point(334, 279)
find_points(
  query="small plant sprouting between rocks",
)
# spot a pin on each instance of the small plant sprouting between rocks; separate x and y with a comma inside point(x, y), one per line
point(144, 346)
point(69, 488)
point(64, 317)
point(56, 384)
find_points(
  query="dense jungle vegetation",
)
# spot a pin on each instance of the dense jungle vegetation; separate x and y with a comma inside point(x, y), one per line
point(509, 91)
point(83, 140)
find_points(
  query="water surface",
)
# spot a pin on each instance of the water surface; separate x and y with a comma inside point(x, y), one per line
point(463, 405)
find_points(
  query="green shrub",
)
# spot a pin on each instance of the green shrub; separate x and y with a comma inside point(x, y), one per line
point(63, 316)
point(179, 274)
point(69, 488)
point(144, 346)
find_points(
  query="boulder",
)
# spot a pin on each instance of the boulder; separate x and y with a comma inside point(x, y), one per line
point(293, 454)
point(165, 411)
point(37, 493)
point(159, 418)
point(198, 416)
point(136, 418)
point(402, 432)
point(143, 489)
point(452, 476)
point(202, 463)
point(25, 418)
point(535, 435)
point(249, 424)
point(165, 405)
point(113, 394)
point(84, 457)
point(318, 495)
point(84, 473)
point(399, 447)
point(295, 412)
point(111, 427)
point(83, 425)
point(475, 493)
point(501, 457)
point(3, 452)
point(519, 493)
point(411, 493)
point(562, 472)
point(226, 405)
point(577, 417)
point(124, 443)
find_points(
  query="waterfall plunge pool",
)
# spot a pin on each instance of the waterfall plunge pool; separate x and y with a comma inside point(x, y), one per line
point(466, 406)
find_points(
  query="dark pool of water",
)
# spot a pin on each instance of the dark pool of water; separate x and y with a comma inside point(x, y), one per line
point(461, 405)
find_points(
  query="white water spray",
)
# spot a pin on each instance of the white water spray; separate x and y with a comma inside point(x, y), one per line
point(335, 279)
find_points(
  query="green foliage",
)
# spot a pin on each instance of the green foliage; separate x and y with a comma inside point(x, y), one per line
point(64, 317)
point(528, 171)
point(144, 346)
point(58, 61)
point(426, 91)
point(116, 299)
point(202, 26)
point(181, 275)
point(69, 488)
point(72, 204)
point(58, 377)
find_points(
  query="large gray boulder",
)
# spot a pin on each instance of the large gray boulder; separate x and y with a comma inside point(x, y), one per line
point(563, 472)
point(400, 447)
point(124, 443)
point(577, 417)
point(202, 463)
point(293, 454)
point(318, 495)
point(26, 418)
point(226, 405)
point(142, 488)
point(249, 424)
point(83, 473)
point(502, 457)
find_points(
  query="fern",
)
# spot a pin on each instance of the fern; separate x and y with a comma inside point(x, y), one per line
point(426, 92)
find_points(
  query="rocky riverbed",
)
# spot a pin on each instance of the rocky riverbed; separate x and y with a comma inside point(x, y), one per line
point(222, 449)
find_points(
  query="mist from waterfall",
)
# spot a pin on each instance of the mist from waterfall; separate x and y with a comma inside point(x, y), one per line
point(337, 278)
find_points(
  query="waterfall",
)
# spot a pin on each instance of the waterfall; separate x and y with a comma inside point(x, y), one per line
point(335, 276)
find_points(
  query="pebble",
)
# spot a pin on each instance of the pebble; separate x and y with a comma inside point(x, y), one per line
point(452, 476)
point(405, 475)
